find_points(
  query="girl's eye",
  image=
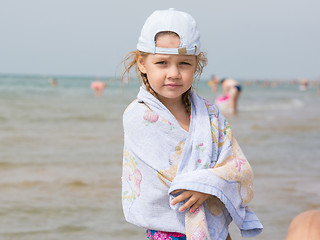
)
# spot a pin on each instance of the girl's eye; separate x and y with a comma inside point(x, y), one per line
point(185, 63)
point(161, 62)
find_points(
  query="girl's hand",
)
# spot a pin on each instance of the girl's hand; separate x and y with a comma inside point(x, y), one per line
point(195, 199)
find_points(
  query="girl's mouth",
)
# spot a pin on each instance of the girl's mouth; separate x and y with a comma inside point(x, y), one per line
point(172, 85)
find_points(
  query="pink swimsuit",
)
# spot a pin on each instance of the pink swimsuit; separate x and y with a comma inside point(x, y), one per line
point(159, 235)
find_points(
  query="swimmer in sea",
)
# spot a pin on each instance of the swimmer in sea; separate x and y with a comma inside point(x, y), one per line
point(230, 88)
point(304, 83)
point(98, 87)
point(53, 82)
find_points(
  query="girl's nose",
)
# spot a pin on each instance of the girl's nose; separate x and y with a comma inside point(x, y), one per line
point(173, 72)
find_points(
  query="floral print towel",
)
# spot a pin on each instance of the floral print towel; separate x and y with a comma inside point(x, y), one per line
point(161, 157)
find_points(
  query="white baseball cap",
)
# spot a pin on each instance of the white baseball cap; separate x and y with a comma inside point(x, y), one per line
point(171, 20)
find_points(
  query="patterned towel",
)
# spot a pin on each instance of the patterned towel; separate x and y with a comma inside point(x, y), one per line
point(160, 157)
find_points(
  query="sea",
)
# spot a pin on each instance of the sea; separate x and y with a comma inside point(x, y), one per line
point(61, 155)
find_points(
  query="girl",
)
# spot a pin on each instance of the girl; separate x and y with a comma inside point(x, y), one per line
point(184, 175)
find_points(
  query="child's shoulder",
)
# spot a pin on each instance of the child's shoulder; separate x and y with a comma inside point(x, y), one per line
point(135, 106)
point(136, 115)
point(131, 114)
point(135, 110)
point(130, 106)
point(212, 109)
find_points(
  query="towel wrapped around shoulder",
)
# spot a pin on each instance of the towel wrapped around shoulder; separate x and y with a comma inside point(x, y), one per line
point(160, 157)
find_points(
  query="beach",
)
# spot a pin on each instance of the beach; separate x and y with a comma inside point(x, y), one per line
point(61, 156)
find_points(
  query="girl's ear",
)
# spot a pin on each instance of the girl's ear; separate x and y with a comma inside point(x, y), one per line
point(140, 63)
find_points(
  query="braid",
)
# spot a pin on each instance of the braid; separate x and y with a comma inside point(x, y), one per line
point(147, 84)
point(187, 101)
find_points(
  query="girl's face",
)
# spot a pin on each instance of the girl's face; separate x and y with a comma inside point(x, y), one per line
point(168, 75)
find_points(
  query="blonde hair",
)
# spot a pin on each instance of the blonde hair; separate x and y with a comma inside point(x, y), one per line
point(130, 61)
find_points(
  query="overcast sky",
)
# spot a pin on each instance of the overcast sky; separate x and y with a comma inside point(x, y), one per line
point(242, 38)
